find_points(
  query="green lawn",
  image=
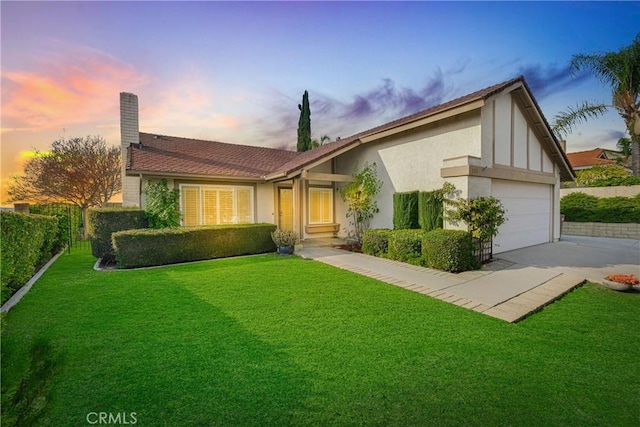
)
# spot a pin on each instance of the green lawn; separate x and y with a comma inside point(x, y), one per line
point(271, 340)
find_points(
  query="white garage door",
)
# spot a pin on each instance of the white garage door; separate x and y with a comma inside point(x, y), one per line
point(528, 209)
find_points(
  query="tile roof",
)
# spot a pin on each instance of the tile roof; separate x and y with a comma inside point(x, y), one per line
point(185, 156)
point(589, 158)
point(173, 155)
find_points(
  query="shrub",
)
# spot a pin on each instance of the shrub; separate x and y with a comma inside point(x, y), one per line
point(618, 209)
point(581, 207)
point(26, 243)
point(69, 221)
point(430, 210)
point(143, 248)
point(596, 175)
point(360, 197)
point(483, 216)
point(376, 241)
point(406, 246)
point(617, 181)
point(106, 221)
point(284, 238)
point(405, 210)
point(448, 250)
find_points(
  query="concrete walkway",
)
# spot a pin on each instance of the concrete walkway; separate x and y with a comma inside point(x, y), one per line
point(510, 288)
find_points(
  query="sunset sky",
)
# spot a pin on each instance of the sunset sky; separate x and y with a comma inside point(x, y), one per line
point(235, 72)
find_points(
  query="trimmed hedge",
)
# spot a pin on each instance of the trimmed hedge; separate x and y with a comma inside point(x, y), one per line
point(106, 221)
point(376, 241)
point(150, 247)
point(581, 207)
point(430, 210)
point(69, 221)
point(406, 246)
point(448, 250)
point(26, 243)
point(405, 210)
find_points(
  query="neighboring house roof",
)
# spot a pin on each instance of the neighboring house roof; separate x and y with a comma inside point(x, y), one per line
point(589, 158)
point(184, 156)
point(188, 156)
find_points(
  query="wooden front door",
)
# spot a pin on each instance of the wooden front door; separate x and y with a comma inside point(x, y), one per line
point(285, 206)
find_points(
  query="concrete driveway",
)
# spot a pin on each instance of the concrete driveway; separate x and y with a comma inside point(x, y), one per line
point(590, 257)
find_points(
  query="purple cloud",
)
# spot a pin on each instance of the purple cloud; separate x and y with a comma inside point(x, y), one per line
point(545, 80)
point(384, 102)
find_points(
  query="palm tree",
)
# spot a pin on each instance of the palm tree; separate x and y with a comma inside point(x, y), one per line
point(315, 143)
point(624, 145)
point(621, 71)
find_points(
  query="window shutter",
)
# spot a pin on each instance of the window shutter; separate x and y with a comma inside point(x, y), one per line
point(209, 206)
point(214, 205)
point(320, 205)
point(326, 206)
point(226, 207)
point(244, 205)
point(190, 206)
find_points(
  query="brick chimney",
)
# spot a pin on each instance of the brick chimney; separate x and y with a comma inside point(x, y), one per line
point(129, 134)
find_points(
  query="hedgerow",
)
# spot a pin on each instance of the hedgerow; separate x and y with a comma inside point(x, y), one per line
point(581, 207)
point(26, 243)
point(151, 247)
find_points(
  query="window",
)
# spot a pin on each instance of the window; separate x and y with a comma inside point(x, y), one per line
point(214, 205)
point(320, 205)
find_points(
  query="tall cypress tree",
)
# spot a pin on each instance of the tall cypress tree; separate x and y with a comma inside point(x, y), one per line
point(304, 124)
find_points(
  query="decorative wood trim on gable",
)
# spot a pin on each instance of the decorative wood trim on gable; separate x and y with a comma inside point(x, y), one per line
point(540, 130)
point(493, 132)
point(497, 172)
point(512, 135)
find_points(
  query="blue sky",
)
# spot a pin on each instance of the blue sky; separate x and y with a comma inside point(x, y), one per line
point(235, 72)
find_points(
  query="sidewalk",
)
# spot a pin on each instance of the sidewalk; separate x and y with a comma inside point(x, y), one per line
point(503, 289)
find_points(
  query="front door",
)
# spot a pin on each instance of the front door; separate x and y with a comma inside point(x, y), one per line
point(285, 206)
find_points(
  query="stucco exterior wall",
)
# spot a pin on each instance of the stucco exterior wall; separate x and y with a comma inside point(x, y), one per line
point(412, 161)
point(131, 191)
point(264, 203)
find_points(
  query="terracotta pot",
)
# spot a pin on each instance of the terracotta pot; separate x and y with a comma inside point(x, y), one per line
point(616, 286)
